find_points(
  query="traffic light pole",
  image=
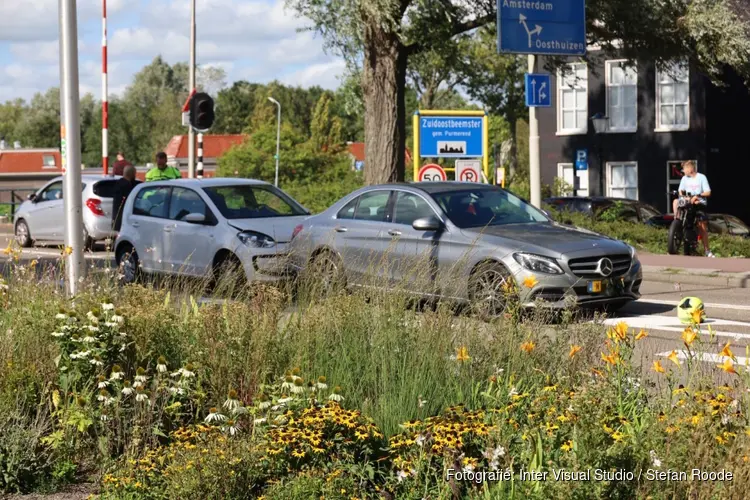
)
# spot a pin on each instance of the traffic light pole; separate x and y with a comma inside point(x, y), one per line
point(191, 132)
point(72, 201)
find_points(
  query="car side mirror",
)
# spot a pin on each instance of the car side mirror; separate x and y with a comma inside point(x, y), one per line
point(195, 218)
point(31, 197)
point(430, 223)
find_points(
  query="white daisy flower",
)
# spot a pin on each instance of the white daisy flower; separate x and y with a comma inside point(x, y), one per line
point(117, 373)
point(92, 328)
point(96, 361)
point(335, 395)
point(161, 365)
point(321, 384)
point(284, 401)
point(259, 421)
point(58, 334)
point(141, 397)
point(232, 403)
point(127, 389)
point(264, 405)
point(421, 439)
point(61, 316)
point(288, 383)
point(108, 307)
point(177, 391)
point(214, 416)
point(118, 319)
point(401, 475)
point(110, 324)
point(230, 428)
point(140, 375)
point(89, 339)
point(654, 460)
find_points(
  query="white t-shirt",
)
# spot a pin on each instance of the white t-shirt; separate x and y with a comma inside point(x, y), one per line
point(695, 185)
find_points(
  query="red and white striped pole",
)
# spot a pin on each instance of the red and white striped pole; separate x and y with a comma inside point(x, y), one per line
point(105, 103)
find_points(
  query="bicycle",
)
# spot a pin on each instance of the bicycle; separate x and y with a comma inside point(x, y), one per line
point(683, 232)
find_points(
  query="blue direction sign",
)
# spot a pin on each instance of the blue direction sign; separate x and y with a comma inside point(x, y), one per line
point(538, 93)
point(541, 27)
point(451, 136)
point(582, 159)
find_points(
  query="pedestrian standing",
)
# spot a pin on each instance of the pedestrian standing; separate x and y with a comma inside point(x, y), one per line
point(118, 168)
point(162, 171)
point(123, 187)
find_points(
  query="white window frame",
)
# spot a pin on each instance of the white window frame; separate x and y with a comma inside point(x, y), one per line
point(607, 65)
point(671, 128)
point(560, 174)
point(609, 176)
point(582, 88)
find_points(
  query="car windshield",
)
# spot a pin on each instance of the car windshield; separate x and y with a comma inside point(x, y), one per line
point(252, 202)
point(486, 207)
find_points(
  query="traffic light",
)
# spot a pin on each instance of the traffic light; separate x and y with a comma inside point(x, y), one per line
point(201, 111)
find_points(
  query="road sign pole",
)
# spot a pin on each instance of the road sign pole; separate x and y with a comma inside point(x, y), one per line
point(415, 151)
point(191, 84)
point(63, 148)
point(535, 171)
point(72, 200)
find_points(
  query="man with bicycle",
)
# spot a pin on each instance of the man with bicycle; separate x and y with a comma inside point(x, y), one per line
point(697, 185)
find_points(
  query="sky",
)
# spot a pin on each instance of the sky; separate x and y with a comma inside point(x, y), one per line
point(254, 40)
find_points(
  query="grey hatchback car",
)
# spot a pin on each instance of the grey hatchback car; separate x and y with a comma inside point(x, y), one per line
point(466, 242)
point(41, 218)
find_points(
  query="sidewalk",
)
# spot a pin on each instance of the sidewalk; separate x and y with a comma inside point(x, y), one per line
point(732, 273)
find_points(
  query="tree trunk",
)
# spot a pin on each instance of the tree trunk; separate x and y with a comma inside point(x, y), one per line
point(384, 85)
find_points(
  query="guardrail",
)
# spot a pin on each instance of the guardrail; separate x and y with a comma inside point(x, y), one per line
point(14, 197)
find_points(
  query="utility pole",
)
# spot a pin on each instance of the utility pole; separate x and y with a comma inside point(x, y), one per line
point(72, 199)
point(62, 88)
point(535, 171)
point(278, 138)
point(191, 84)
point(105, 92)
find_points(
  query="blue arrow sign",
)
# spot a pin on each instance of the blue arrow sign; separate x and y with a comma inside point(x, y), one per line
point(555, 27)
point(451, 136)
point(538, 93)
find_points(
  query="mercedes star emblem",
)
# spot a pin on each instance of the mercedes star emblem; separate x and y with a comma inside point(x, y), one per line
point(605, 267)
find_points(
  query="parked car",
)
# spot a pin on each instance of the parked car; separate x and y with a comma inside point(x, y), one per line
point(41, 218)
point(628, 210)
point(192, 227)
point(717, 224)
point(476, 239)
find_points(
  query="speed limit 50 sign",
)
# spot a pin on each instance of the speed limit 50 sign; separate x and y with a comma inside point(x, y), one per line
point(431, 173)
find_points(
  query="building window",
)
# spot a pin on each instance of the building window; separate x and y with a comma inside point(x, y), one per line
point(49, 161)
point(622, 96)
point(572, 99)
point(673, 97)
point(622, 180)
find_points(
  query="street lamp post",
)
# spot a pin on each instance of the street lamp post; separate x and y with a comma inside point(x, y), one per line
point(278, 138)
point(601, 123)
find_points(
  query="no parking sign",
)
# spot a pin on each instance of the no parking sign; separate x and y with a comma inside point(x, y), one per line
point(431, 173)
point(469, 170)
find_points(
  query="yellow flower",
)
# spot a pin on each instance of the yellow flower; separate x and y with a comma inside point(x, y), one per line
point(657, 367)
point(9, 249)
point(696, 419)
point(727, 366)
point(619, 332)
point(697, 316)
point(530, 282)
point(727, 352)
point(462, 354)
point(298, 453)
point(574, 349)
point(67, 250)
point(641, 335)
point(689, 336)
point(528, 347)
point(721, 440)
point(611, 358)
point(33, 263)
point(673, 358)
point(618, 436)
point(567, 446)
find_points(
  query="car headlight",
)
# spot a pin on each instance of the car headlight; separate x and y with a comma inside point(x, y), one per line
point(537, 263)
point(633, 253)
point(256, 240)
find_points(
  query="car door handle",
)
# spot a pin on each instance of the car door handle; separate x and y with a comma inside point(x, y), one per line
point(341, 229)
point(169, 229)
point(394, 232)
point(135, 224)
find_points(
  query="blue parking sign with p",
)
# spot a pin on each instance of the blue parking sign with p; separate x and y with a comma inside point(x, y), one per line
point(582, 159)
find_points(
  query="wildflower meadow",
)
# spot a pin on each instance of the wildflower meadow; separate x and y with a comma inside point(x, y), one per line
point(148, 392)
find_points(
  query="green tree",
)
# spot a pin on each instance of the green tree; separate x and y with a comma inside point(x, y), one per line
point(349, 106)
point(497, 82)
point(325, 131)
point(380, 35)
point(39, 125)
point(10, 114)
point(234, 107)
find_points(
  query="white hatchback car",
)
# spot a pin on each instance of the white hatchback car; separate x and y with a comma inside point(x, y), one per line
point(191, 227)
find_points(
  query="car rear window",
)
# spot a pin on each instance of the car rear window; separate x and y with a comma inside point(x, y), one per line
point(105, 189)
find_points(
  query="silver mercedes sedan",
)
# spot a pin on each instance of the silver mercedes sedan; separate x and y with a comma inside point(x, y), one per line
point(467, 242)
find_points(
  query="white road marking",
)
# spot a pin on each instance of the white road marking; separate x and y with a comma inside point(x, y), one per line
point(669, 324)
point(708, 357)
point(674, 303)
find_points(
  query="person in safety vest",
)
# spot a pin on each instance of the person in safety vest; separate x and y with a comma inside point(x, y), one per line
point(162, 171)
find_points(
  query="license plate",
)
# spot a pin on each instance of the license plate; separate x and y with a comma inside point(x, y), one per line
point(595, 286)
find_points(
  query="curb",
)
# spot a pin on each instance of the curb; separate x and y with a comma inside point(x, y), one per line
point(696, 277)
